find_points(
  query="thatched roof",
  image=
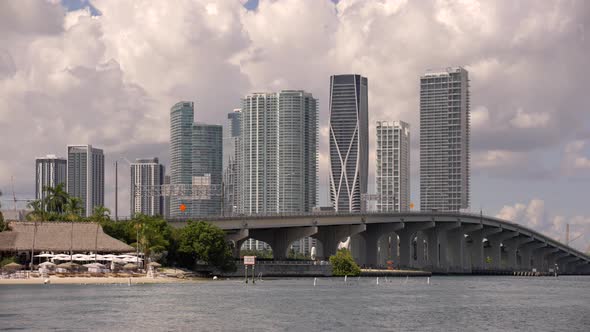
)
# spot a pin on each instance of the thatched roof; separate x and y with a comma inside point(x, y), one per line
point(57, 236)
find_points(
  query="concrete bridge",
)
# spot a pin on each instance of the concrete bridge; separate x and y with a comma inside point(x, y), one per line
point(445, 242)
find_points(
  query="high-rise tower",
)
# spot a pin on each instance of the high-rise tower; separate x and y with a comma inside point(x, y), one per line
point(393, 166)
point(278, 152)
point(86, 176)
point(207, 155)
point(349, 142)
point(49, 172)
point(444, 140)
point(146, 172)
point(181, 167)
point(231, 141)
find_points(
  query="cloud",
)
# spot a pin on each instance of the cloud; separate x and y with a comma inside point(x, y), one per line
point(109, 80)
point(536, 216)
point(530, 120)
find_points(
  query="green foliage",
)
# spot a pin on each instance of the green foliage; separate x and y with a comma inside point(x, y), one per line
point(56, 199)
point(152, 234)
point(293, 255)
point(7, 260)
point(38, 213)
point(120, 230)
point(260, 254)
point(343, 264)
point(200, 241)
point(73, 209)
point(100, 215)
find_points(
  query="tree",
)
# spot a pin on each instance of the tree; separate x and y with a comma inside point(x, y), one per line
point(152, 234)
point(73, 209)
point(56, 199)
point(343, 264)
point(201, 241)
point(100, 215)
point(38, 213)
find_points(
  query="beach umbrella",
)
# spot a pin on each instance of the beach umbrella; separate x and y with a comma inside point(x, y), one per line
point(68, 266)
point(132, 259)
point(45, 255)
point(61, 257)
point(154, 264)
point(12, 266)
point(95, 265)
point(130, 266)
point(109, 256)
point(47, 264)
point(118, 261)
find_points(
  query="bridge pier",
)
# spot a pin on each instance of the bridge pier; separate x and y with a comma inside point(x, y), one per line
point(367, 252)
point(526, 254)
point(477, 250)
point(406, 236)
point(237, 239)
point(495, 250)
point(565, 264)
point(438, 246)
point(540, 258)
point(330, 236)
point(512, 246)
point(281, 238)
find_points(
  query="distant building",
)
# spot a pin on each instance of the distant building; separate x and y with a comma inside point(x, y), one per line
point(86, 176)
point(444, 140)
point(207, 153)
point(181, 160)
point(278, 156)
point(349, 142)
point(196, 160)
point(146, 172)
point(231, 141)
point(393, 166)
point(49, 172)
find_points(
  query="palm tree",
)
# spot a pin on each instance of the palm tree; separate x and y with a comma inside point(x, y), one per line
point(100, 214)
point(150, 234)
point(38, 213)
point(73, 209)
point(57, 198)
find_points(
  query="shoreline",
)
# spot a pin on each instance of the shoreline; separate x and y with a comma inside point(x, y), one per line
point(53, 280)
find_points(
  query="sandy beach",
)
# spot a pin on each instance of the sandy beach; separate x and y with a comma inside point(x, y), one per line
point(99, 281)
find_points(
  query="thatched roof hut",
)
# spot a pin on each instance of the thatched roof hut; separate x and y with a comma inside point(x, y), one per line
point(60, 237)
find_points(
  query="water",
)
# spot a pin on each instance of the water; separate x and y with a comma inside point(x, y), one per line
point(447, 304)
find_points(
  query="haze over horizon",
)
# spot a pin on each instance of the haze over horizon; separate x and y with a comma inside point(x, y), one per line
point(106, 73)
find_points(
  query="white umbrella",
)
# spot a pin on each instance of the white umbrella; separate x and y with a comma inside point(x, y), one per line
point(117, 260)
point(47, 264)
point(82, 258)
point(44, 255)
point(132, 259)
point(62, 257)
point(95, 265)
point(109, 256)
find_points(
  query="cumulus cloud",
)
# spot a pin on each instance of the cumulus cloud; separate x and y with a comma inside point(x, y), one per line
point(534, 215)
point(109, 80)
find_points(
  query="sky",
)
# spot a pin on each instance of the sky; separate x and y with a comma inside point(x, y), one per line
point(106, 73)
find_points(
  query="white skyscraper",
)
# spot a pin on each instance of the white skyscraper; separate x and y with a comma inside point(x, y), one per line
point(49, 172)
point(393, 166)
point(86, 176)
point(444, 140)
point(146, 172)
point(278, 159)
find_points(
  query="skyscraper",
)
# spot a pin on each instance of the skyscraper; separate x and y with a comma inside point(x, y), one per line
point(444, 140)
point(49, 172)
point(278, 152)
point(231, 142)
point(349, 141)
point(86, 176)
point(146, 172)
point(181, 167)
point(207, 153)
point(393, 166)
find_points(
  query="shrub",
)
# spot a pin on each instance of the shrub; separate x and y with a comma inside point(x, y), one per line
point(343, 264)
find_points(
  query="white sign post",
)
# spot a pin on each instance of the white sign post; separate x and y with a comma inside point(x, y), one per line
point(249, 261)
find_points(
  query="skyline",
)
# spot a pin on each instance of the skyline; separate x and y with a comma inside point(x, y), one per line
point(530, 134)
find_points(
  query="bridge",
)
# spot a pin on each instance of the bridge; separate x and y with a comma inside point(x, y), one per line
point(443, 242)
